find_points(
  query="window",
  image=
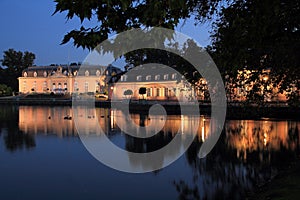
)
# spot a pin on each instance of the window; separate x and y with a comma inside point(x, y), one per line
point(45, 74)
point(157, 77)
point(174, 76)
point(75, 86)
point(149, 92)
point(86, 73)
point(25, 74)
point(124, 78)
point(86, 87)
point(65, 86)
point(53, 86)
point(34, 74)
point(45, 86)
point(24, 86)
point(166, 76)
point(98, 73)
point(157, 92)
point(34, 85)
point(166, 92)
point(148, 78)
point(139, 78)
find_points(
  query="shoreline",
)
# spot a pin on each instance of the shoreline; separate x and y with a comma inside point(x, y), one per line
point(233, 111)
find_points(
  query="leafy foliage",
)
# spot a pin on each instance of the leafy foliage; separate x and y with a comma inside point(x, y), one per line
point(247, 34)
point(5, 90)
point(15, 62)
point(259, 35)
point(115, 16)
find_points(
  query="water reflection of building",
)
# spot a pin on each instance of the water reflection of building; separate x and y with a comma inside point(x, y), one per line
point(174, 124)
point(46, 120)
point(52, 120)
point(247, 136)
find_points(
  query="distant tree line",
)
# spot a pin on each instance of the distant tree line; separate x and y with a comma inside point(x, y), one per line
point(13, 63)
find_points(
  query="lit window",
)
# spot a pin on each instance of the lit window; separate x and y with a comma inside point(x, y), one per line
point(124, 78)
point(139, 78)
point(86, 87)
point(148, 78)
point(166, 76)
point(174, 76)
point(34, 74)
point(157, 77)
point(45, 86)
point(157, 92)
point(87, 73)
point(166, 92)
point(98, 73)
point(25, 74)
point(149, 92)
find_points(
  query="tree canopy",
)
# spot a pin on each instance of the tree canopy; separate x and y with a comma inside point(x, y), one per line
point(246, 34)
point(115, 16)
point(257, 35)
point(15, 62)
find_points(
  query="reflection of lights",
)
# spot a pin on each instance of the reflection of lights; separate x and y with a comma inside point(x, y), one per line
point(265, 139)
point(182, 123)
point(112, 88)
point(202, 134)
point(265, 78)
point(112, 119)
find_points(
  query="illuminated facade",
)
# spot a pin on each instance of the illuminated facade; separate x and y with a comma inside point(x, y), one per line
point(159, 83)
point(65, 79)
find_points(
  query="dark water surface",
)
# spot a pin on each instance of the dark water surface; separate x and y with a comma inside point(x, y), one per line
point(42, 157)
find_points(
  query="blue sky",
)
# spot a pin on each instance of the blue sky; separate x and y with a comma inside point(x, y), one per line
point(28, 26)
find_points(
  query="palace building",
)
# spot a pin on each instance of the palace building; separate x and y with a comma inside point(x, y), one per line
point(153, 82)
point(159, 83)
point(66, 79)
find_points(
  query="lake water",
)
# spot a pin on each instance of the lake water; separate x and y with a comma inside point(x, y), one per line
point(42, 156)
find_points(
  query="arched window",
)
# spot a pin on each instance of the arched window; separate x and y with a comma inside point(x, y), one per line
point(45, 74)
point(87, 73)
point(98, 73)
point(25, 74)
point(34, 74)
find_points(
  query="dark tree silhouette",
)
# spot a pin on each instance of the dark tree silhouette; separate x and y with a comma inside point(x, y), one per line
point(15, 62)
